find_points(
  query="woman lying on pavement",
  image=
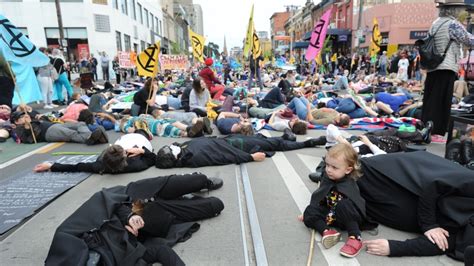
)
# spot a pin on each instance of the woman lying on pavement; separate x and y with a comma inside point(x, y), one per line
point(130, 153)
point(135, 224)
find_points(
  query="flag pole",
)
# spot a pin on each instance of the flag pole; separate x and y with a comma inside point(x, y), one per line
point(21, 100)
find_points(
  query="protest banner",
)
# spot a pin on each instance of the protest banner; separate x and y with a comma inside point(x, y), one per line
point(124, 60)
point(174, 62)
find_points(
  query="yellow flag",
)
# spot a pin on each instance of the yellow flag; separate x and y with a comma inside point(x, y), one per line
point(249, 36)
point(376, 39)
point(334, 57)
point(147, 61)
point(256, 48)
point(319, 59)
point(197, 42)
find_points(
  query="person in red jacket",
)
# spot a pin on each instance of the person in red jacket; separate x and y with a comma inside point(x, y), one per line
point(213, 84)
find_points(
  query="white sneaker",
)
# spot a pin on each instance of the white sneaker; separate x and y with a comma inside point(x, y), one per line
point(332, 132)
point(54, 105)
point(48, 107)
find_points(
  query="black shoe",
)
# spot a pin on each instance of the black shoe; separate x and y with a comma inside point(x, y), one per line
point(315, 142)
point(214, 183)
point(466, 151)
point(453, 150)
point(288, 135)
point(426, 132)
point(315, 177)
point(95, 137)
point(207, 125)
point(195, 130)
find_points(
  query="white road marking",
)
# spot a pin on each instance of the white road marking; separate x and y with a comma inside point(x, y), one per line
point(242, 224)
point(301, 195)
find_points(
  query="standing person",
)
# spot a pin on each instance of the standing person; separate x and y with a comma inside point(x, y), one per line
point(45, 80)
point(227, 70)
point(403, 64)
point(116, 68)
point(58, 62)
point(93, 66)
point(255, 71)
point(439, 82)
point(7, 83)
point(338, 201)
point(212, 83)
point(383, 62)
point(104, 62)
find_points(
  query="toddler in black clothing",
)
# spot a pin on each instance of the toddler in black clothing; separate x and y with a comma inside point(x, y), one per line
point(338, 202)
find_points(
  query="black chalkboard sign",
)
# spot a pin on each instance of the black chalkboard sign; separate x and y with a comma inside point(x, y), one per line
point(25, 192)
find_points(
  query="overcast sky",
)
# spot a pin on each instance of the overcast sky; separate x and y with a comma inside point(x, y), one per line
point(230, 18)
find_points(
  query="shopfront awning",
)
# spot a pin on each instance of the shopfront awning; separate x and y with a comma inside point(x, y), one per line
point(300, 45)
point(338, 32)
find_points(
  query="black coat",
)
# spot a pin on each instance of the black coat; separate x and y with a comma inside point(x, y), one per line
point(99, 214)
point(436, 193)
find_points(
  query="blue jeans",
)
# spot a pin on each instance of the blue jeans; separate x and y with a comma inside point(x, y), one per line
point(258, 79)
point(174, 102)
point(58, 87)
point(298, 106)
point(349, 107)
point(383, 70)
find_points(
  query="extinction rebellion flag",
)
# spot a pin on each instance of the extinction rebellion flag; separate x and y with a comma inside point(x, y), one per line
point(16, 47)
point(197, 42)
point(147, 61)
point(318, 36)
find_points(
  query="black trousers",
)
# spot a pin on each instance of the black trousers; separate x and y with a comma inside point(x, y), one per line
point(7, 87)
point(437, 99)
point(199, 112)
point(420, 246)
point(273, 99)
point(347, 217)
point(185, 210)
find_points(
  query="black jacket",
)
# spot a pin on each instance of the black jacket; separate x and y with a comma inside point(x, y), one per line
point(438, 192)
point(98, 217)
point(134, 164)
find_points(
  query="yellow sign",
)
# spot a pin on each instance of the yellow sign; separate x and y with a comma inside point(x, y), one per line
point(147, 63)
point(249, 36)
point(197, 42)
point(376, 39)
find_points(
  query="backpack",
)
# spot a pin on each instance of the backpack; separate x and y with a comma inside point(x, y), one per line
point(54, 72)
point(430, 58)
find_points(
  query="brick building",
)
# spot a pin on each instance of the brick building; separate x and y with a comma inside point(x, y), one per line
point(400, 23)
point(277, 24)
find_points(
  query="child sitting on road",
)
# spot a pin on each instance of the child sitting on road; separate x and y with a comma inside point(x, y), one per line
point(338, 202)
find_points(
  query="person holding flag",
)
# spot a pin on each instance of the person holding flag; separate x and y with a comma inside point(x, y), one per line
point(375, 42)
point(147, 65)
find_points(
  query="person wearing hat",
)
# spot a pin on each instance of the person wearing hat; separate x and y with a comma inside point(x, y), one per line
point(439, 82)
point(45, 131)
point(213, 84)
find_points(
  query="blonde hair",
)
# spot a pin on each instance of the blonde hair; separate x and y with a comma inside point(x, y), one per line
point(349, 155)
point(247, 130)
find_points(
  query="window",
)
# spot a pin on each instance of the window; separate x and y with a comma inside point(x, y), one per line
point(133, 9)
point(127, 42)
point(142, 45)
point(102, 23)
point(124, 7)
point(69, 33)
point(135, 47)
point(152, 18)
point(160, 29)
point(140, 14)
point(115, 4)
point(146, 18)
point(118, 40)
point(156, 26)
point(61, 1)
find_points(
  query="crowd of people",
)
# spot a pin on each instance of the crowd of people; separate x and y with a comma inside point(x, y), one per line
point(358, 177)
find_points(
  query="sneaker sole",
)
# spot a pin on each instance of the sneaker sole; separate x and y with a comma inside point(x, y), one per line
point(196, 129)
point(349, 255)
point(330, 241)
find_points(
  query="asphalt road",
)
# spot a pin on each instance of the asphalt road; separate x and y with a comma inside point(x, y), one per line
point(258, 226)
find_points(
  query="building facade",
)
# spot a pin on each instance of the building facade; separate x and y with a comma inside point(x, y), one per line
point(278, 35)
point(90, 26)
point(401, 22)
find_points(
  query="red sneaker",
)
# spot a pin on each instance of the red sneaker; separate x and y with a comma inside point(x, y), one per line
point(351, 248)
point(330, 238)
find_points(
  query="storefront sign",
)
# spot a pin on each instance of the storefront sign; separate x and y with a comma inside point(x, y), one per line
point(342, 38)
point(173, 62)
point(418, 34)
point(124, 60)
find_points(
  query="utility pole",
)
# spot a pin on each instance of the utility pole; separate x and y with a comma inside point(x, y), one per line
point(359, 21)
point(60, 23)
